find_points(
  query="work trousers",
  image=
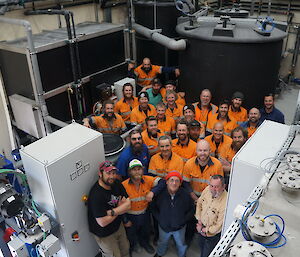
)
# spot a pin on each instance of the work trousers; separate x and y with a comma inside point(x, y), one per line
point(114, 245)
point(140, 230)
point(207, 244)
point(164, 238)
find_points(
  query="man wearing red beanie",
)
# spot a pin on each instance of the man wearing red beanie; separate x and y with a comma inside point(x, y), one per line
point(173, 207)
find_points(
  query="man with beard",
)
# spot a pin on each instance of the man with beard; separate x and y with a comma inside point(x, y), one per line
point(253, 122)
point(172, 208)
point(174, 110)
point(239, 137)
point(151, 135)
point(236, 111)
point(189, 113)
point(107, 201)
point(218, 141)
point(269, 112)
point(196, 174)
point(143, 110)
point(222, 116)
point(204, 108)
point(171, 85)
point(140, 189)
point(210, 212)
point(125, 105)
point(183, 145)
point(146, 72)
point(136, 150)
point(108, 122)
point(155, 93)
point(196, 130)
point(165, 124)
point(166, 161)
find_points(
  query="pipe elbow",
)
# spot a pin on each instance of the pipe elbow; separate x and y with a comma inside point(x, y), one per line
point(177, 45)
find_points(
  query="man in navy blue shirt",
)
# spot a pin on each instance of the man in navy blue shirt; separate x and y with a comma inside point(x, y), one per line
point(136, 150)
point(269, 112)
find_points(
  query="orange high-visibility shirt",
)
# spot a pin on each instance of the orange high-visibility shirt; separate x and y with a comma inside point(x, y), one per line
point(240, 116)
point(228, 126)
point(114, 126)
point(175, 113)
point(228, 153)
point(151, 142)
point(198, 179)
point(145, 79)
point(202, 115)
point(184, 151)
point(138, 116)
point(138, 196)
point(161, 167)
point(167, 125)
point(124, 108)
point(224, 144)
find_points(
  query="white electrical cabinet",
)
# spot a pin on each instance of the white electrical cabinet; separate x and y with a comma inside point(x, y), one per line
point(246, 170)
point(61, 169)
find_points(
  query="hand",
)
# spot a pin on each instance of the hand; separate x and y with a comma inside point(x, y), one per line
point(128, 224)
point(181, 94)
point(149, 196)
point(86, 123)
point(224, 162)
point(177, 72)
point(203, 231)
point(199, 226)
point(194, 197)
point(122, 201)
point(130, 66)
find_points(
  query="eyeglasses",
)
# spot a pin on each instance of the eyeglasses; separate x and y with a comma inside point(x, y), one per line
point(136, 138)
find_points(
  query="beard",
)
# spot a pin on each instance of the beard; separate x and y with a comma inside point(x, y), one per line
point(147, 70)
point(236, 146)
point(137, 148)
point(106, 182)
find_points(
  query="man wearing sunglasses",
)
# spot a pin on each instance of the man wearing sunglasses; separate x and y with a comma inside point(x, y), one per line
point(107, 201)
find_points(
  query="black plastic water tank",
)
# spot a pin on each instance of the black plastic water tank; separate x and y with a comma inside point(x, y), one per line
point(166, 19)
point(231, 59)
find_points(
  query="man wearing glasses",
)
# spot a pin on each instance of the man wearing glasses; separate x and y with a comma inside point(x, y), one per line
point(107, 201)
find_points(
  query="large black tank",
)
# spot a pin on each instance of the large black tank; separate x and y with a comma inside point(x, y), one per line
point(166, 19)
point(229, 59)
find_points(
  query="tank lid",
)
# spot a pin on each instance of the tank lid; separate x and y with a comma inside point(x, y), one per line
point(234, 12)
point(234, 30)
point(112, 143)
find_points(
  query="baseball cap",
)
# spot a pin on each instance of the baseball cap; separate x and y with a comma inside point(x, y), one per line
point(107, 166)
point(238, 94)
point(135, 163)
point(189, 106)
point(173, 174)
point(195, 123)
point(156, 81)
point(143, 94)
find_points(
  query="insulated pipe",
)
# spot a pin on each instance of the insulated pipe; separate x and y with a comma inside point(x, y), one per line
point(56, 122)
point(37, 86)
point(154, 35)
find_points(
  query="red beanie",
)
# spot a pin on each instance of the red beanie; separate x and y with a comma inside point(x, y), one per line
point(173, 174)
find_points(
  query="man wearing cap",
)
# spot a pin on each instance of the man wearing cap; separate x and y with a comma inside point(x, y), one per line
point(108, 122)
point(218, 141)
point(140, 188)
point(189, 112)
point(136, 150)
point(236, 111)
point(210, 212)
point(165, 124)
point(196, 130)
point(143, 110)
point(155, 93)
point(107, 201)
point(171, 85)
point(172, 208)
point(253, 122)
point(151, 135)
point(166, 161)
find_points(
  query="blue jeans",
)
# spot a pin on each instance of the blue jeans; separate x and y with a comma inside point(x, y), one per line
point(207, 244)
point(164, 238)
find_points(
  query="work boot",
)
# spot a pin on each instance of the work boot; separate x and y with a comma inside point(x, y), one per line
point(149, 249)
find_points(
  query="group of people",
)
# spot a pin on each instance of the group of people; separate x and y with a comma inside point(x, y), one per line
point(171, 180)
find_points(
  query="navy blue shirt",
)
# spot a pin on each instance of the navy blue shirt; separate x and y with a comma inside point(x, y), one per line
point(127, 156)
point(274, 115)
point(172, 213)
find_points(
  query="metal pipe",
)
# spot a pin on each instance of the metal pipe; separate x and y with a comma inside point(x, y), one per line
point(38, 91)
point(56, 122)
point(126, 134)
point(154, 35)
